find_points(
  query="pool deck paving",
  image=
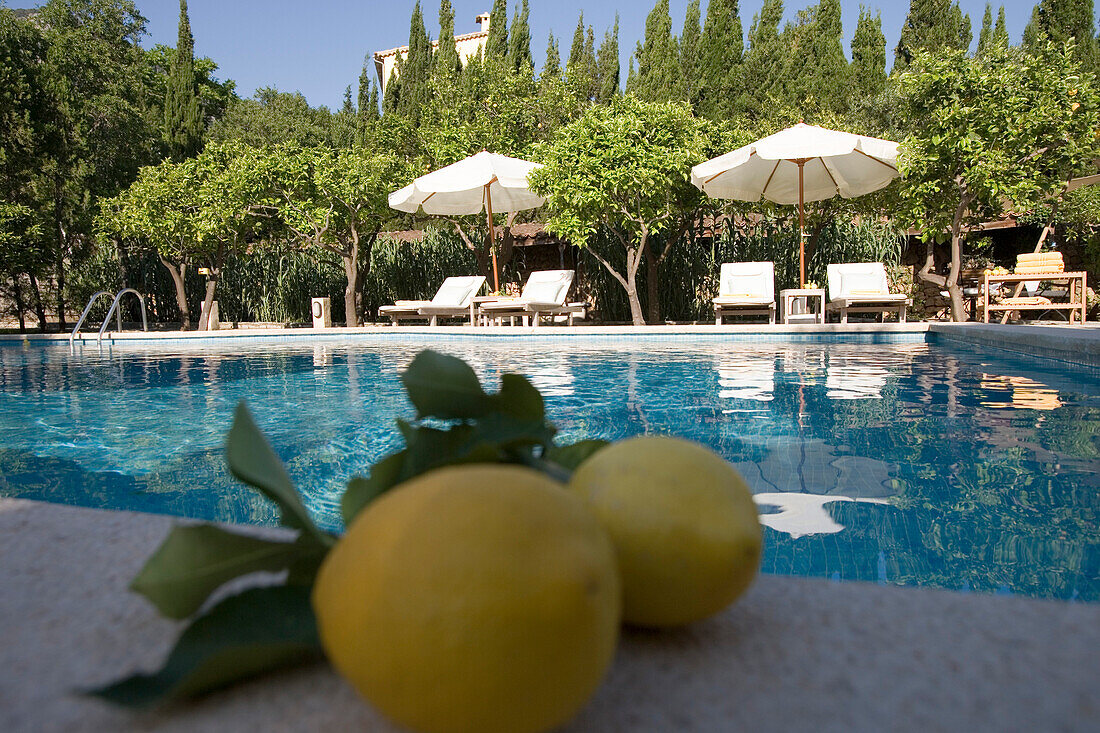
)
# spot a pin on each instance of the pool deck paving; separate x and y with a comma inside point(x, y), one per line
point(793, 654)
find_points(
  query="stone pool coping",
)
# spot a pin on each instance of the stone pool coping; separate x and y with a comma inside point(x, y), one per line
point(794, 654)
point(1077, 344)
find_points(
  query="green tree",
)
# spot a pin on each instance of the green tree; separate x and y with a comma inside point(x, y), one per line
point(689, 55)
point(1000, 31)
point(98, 133)
point(607, 64)
point(934, 25)
point(551, 69)
point(214, 95)
point(231, 198)
point(335, 201)
point(183, 125)
point(446, 60)
point(25, 121)
point(496, 45)
point(159, 212)
point(367, 114)
point(868, 55)
point(273, 117)
point(658, 74)
point(416, 69)
point(721, 51)
point(1060, 21)
point(620, 170)
point(985, 36)
point(1003, 130)
point(816, 66)
point(765, 58)
point(580, 69)
point(519, 40)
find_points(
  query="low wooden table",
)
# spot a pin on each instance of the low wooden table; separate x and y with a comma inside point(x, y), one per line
point(787, 297)
point(1076, 304)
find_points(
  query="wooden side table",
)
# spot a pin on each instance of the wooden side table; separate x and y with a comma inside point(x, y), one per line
point(788, 297)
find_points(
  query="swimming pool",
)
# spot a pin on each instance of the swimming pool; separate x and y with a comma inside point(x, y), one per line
point(904, 461)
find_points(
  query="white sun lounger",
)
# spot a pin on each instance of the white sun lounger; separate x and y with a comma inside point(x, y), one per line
point(543, 295)
point(746, 288)
point(454, 299)
point(861, 287)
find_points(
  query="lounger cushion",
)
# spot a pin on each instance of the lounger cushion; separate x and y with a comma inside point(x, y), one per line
point(457, 292)
point(747, 280)
point(548, 286)
point(857, 279)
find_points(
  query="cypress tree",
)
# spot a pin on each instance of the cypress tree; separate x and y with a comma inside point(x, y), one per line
point(576, 51)
point(551, 69)
point(367, 114)
point(931, 24)
point(689, 54)
point(868, 56)
point(416, 69)
point(496, 46)
point(721, 52)
point(817, 66)
point(607, 64)
point(1000, 31)
point(182, 121)
point(985, 36)
point(764, 60)
point(446, 61)
point(656, 79)
point(519, 40)
point(392, 94)
point(1060, 21)
point(580, 70)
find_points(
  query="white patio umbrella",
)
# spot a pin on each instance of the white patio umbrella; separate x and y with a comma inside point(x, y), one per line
point(799, 164)
point(485, 181)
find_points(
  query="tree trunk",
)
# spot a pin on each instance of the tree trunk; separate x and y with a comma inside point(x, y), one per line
point(39, 306)
point(633, 260)
point(211, 286)
point(958, 305)
point(178, 273)
point(352, 300)
point(59, 266)
point(20, 306)
point(652, 281)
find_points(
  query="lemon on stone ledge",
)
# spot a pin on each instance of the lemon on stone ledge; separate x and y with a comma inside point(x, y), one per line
point(683, 522)
point(472, 598)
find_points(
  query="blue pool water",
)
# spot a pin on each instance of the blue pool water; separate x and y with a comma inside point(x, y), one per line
point(904, 462)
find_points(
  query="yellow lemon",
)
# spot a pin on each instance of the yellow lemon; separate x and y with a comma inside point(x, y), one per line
point(473, 598)
point(683, 522)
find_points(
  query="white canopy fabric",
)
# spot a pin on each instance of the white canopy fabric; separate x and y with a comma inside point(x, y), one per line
point(471, 186)
point(834, 163)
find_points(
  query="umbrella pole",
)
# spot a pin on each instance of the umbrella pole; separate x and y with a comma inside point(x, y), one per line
point(492, 236)
point(801, 230)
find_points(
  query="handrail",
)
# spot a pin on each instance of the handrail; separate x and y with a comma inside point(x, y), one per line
point(87, 308)
point(114, 308)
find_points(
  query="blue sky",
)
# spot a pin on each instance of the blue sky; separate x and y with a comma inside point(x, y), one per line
point(318, 47)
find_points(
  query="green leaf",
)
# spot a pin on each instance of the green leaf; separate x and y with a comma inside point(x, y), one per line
point(361, 491)
point(430, 448)
point(519, 398)
point(444, 387)
point(194, 561)
point(572, 456)
point(252, 461)
point(259, 630)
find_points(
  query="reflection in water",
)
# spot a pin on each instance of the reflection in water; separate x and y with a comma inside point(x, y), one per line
point(1021, 393)
point(746, 378)
point(893, 462)
point(801, 514)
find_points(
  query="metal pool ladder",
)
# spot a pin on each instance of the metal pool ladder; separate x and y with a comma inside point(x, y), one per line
point(112, 311)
